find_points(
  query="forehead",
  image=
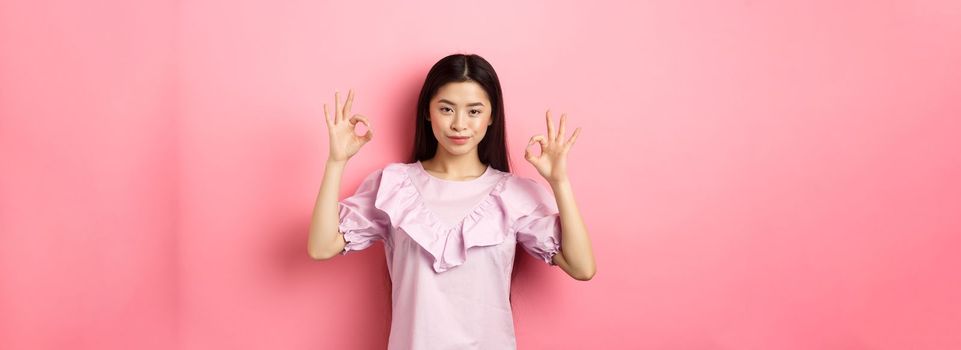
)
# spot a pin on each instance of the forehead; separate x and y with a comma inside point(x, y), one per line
point(462, 93)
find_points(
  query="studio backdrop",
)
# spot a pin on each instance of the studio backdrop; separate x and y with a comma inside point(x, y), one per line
point(753, 174)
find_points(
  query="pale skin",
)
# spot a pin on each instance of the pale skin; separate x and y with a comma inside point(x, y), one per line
point(458, 109)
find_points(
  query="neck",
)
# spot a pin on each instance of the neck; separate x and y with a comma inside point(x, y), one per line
point(455, 166)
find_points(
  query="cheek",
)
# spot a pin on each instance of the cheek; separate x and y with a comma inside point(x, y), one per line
point(482, 128)
point(434, 121)
point(484, 123)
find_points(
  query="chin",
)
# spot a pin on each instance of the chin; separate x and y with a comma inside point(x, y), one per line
point(459, 150)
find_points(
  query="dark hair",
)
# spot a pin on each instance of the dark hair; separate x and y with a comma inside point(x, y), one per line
point(492, 150)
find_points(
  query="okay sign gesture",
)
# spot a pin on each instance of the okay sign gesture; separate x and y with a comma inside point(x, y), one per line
point(552, 162)
point(344, 143)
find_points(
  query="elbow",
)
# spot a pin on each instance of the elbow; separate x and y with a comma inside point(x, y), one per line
point(315, 255)
point(319, 250)
point(318, 255)
point(585, 275)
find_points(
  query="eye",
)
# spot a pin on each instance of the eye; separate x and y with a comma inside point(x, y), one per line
point(476, 110)
point(443, 108)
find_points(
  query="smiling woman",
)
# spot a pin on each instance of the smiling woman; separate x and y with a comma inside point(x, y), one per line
point(452, 217)
point(459, 123)
point(461, 98)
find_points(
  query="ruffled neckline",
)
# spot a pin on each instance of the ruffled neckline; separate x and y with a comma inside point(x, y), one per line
point(484, 224)
point(474, 214)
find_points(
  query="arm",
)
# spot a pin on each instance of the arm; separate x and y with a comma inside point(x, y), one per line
point(325, 239)
point(576, 257)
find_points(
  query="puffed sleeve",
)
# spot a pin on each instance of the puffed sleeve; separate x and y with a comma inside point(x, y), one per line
point(539, 231)
point(361, 222)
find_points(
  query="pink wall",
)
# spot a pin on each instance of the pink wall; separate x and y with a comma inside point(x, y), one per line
point(755, 175)
point(88, 175)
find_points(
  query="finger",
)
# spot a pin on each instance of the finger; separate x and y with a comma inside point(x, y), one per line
point(540, 139)
point(573, 137)
point(327, 116)
point(536, 138)
point(359, 118)
point(528, 153)
point(368, 136)
point(339, 116)
point(560, 129)
point(550, 127)
point(350, 101)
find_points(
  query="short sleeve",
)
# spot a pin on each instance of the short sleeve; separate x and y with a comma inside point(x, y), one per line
point(361, 222)
point(539, 231)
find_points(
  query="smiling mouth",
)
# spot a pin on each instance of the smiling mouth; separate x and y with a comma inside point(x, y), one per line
point(459, 140)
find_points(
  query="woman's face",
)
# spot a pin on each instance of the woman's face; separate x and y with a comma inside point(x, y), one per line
point(460, 114)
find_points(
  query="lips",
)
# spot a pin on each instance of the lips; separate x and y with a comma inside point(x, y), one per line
point(460, 140)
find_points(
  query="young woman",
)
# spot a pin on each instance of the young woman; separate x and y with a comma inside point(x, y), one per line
point(451, 217)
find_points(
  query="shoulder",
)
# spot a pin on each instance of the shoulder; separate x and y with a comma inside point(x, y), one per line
point(397, 168)
point(390, 177)
point(389, 171)
point(525, 194)
point(525, 185)
point(521, 184)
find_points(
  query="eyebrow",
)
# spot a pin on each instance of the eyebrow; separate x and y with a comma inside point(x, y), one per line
point(451, 103)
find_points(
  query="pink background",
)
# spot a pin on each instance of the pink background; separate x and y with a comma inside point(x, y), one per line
point(754, 174)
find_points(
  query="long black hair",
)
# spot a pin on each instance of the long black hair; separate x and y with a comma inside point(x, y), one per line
point(492, 150)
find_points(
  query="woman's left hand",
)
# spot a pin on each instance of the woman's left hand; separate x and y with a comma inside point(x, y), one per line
point(552, 162)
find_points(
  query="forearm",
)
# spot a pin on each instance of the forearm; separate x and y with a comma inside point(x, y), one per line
point(575, 243)
point(323, 242)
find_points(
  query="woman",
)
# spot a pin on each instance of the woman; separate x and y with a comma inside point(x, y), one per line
point(451, 217)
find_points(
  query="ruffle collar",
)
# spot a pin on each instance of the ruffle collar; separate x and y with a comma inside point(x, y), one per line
point(486, 224)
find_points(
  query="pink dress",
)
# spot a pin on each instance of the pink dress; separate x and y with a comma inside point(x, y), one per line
point(450, 250)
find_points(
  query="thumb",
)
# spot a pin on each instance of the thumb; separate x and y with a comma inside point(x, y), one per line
point(536, 139)
point(368, 136)
point(527, 152)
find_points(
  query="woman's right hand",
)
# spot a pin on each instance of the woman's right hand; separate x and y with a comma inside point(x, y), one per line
point(344, 143)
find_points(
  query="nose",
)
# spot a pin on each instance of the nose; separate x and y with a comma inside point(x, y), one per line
point(459, 123)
